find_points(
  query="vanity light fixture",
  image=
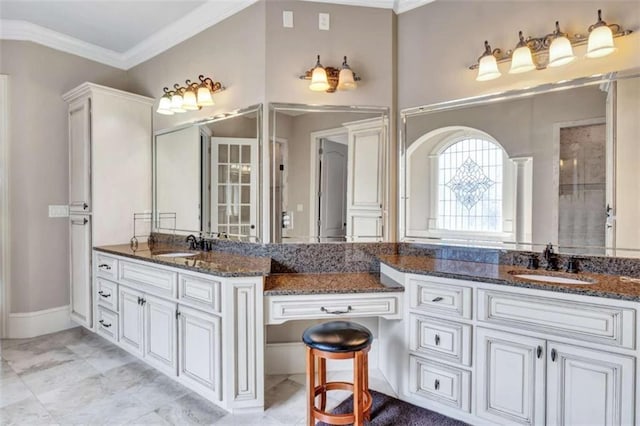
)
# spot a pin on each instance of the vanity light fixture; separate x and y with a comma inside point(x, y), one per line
point(552, 50)
point(190, 97)
point(330, 79)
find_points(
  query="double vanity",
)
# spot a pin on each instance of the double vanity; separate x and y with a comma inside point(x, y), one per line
point(474, 341)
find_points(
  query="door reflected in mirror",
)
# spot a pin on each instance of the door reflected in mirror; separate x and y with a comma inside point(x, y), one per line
point(329, 169)
point(206, 177)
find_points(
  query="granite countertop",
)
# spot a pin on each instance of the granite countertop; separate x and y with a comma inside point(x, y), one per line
point(609, 286)
point(328, 283)
point(212, 262)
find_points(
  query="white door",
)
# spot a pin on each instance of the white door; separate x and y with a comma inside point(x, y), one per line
point(589, 387)
point(160, 331)
point(333, 191)
point(131, 320)
point(234, 186)
point(80, 156)
point(510, 384)
point(80, 269)
point(199, 359)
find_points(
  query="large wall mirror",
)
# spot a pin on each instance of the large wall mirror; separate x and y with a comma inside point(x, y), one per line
point(329, 171)
point(559, 164)
point(206, 177)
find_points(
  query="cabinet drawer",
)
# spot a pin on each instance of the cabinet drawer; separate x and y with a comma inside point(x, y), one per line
point(107, 323)
point(107, 294)
point(438, 338)
point(439, 382)
point(438, 295)
point(200, 291)
point(285, 308)
point(155, 280)
point(579, 320)
point(106, 266)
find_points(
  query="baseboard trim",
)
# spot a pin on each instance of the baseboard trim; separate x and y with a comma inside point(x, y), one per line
point(289, 358)
point(31, 324)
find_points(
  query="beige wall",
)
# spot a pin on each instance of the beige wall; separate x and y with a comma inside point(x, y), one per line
point(438, 42)
point(38, 167)
point(232, 52)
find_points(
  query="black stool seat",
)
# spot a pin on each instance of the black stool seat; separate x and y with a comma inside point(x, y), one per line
point(337, 336)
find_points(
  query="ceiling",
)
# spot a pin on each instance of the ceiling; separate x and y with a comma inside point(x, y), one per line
point(124, 33)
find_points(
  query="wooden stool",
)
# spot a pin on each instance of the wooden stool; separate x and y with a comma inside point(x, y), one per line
point(338, 340)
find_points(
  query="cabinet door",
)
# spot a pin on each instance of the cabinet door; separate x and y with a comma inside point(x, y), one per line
point(589, 387)
point(200, 337)
point(131, 320)
point(511, 383)
point(160, 331)
point(80, 269)
point(80, 155)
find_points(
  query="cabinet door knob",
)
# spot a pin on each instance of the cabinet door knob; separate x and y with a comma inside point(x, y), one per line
point(437, 339)
point(436, 384)
point(554, 355)
point(438, 299)
point(539, 351)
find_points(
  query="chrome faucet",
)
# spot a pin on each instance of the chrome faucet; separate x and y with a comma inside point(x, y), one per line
point(193, 241)
point(550, 257)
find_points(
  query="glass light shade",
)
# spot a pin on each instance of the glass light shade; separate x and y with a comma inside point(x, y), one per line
point(521, 60)
point(204, 97)
point(488, 68)
point(600, 42)
point(560, 52)
point(164, 107)
point(176, 103)
point(189, 101)
point(319, 82)
point(346, 80)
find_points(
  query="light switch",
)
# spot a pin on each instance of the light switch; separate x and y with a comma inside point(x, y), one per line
point(287, 19)
point(58, 211)
point(324, 21)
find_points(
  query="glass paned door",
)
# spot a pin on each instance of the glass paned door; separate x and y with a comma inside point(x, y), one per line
point(234, 186)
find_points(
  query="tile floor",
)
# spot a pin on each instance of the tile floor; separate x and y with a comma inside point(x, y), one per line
point(77, 377)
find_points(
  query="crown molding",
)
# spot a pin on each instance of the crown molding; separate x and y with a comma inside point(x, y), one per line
point(182, 29)
point(26, 31)
point(381, 4)
point(402, 6)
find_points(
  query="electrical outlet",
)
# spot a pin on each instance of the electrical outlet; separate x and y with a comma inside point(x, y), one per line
point(58, 211)
point(287, 19)
point(324, 21)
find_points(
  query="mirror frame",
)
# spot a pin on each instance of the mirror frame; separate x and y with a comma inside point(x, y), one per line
point(275, 107)
point(258, 109)
point(507, 95)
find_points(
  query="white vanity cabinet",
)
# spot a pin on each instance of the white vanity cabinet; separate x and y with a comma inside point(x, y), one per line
point(204, 331)
point(109, 144)
point(496, 354)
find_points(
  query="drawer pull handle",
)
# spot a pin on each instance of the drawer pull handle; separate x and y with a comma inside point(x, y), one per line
point(82, 222)
point(539, 352)
point(436, 384)
point(103, 324)
point(554, 355)
point(438, 299)
point(325, 310)
point(104, 266)
point(437, 339)
point(103, 294)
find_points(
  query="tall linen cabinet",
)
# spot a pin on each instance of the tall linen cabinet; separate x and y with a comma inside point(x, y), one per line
point(109, 178)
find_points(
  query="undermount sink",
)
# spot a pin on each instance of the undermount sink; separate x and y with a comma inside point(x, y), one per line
point(552, 279)
point(177, 254)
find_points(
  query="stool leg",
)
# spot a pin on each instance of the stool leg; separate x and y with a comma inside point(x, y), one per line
point(322, 381)
point(357, 389)
point(365, 381)
point(311, 387)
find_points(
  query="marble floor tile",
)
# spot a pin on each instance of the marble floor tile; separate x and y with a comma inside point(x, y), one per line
point(286, 402)
point(191, 409)
point(26, 412)
point(25, 361)
point(273, 379)
point(64, 400)
point(89, 345)
point(135, 373)
point(149, 419)
point(6, 371)
point(61, 375)
point(249, 419)
point(115, 409)
point(157, 392)
point(12, 390)
point(109, 358)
